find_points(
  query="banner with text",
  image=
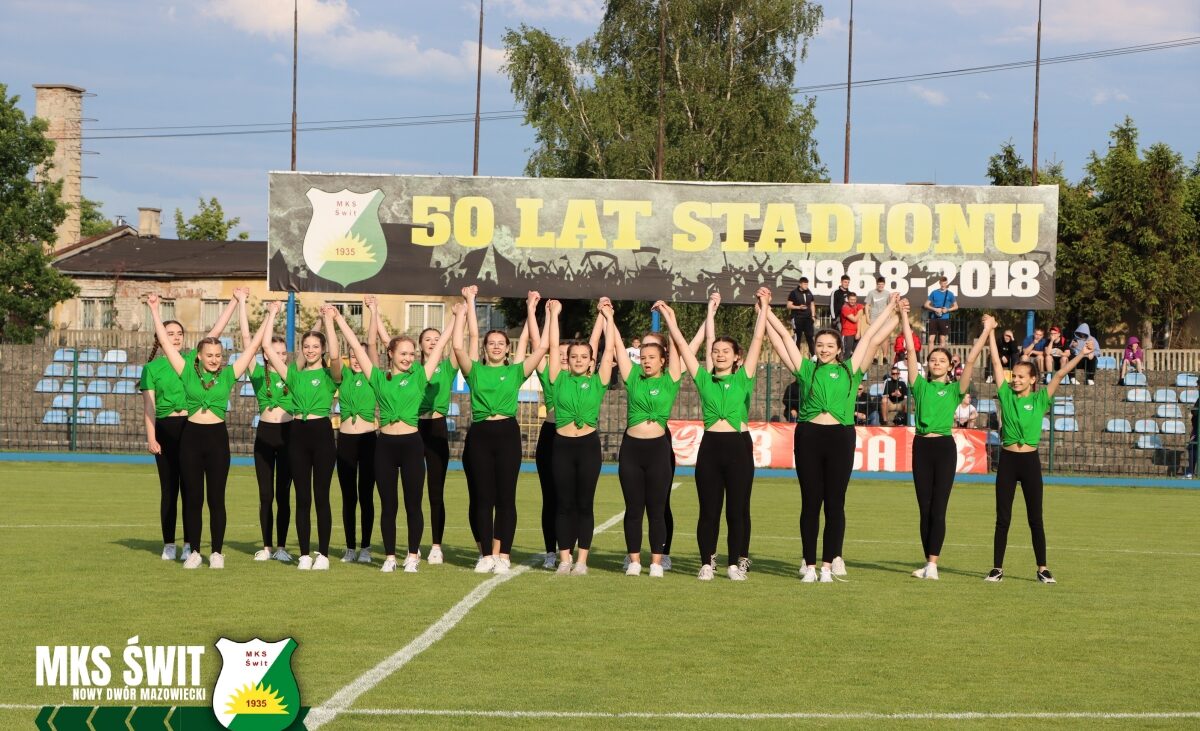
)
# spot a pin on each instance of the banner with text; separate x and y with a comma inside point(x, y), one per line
point(876, 448)
point(647, 240)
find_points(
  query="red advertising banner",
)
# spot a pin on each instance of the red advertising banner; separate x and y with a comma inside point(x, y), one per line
point(876, 449)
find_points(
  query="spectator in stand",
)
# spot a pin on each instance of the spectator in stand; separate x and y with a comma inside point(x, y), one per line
point(966, 413)
point(634, 351)
point(852, 317)
point(1083, 336)
point(876, 300)
point(894, 404)
point(863, 413)
point(940, 303)
point(901, 353)
point(800, 304)
point(1134, 358)
point(836, 301)
point(1010, 355)
point(1033, 350)
point(791, 402)
point(1192, 448)
point(956, 368)
point(1058, 351)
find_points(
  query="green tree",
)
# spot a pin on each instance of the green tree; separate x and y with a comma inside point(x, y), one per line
point(92, 220)
point(29, 212)
point(208, 224)
point(729, 111)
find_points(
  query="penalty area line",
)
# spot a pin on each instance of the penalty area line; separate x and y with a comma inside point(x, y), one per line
point(832, 716)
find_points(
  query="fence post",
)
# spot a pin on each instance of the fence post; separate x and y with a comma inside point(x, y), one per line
point(74, 397)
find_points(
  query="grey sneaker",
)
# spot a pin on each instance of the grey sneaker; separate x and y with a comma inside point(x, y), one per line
point(838, 566)
point(995, 576)
point(1044, 576)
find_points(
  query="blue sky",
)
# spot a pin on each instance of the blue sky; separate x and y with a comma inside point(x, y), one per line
point(152, 63)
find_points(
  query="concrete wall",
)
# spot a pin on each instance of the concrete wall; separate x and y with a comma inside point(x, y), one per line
point(61, 105)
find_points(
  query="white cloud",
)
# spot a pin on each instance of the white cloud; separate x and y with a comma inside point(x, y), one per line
point(273, 18)
point(932, 97)
point(832, 26)
point(583, 11)
point(1103, 96)
point(1088, 21)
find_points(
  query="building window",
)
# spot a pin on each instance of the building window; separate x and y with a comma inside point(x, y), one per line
point(352, 311)
point(211, 312)
point(490, 318)
point(420, 315)
point(96, 313)
point(166, 310)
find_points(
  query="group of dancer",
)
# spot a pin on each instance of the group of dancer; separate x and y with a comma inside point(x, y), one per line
point(393, 435)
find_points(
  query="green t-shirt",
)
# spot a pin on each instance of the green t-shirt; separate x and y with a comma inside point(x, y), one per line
point(356, 396)
point(547, 388)
point(494, 389)
point(312, 390)
point(725, 397)
point(214, 398)
point(831, 388)
point(649, 399)
point(577, 399)
point(270, 394)
point(1021, 418)
point(400, 396)
point(437, 390)
point(934, 403)
point(158, 376)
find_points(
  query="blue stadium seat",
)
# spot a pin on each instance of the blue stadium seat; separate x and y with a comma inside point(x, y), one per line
point(1187, 380)
point(247, 389)
point(91, 355)
point(1189, 395)
point(108, 418)
point(1118, 426)
point(1045, 423)
point(85, 417)
point(1135, 379)
point(1145, 426)
point(1064, 407)
point(986, 406)
point(56, 416)
point(1165, 396)
point(1106, 363)
point(337, 407)
point(527, 397)
point(226, 342)
point(1169, 411)
point(131, 371)
point(1066, 424)
point(90, 402)
point(125, 387)
point(64, 354)
point(1150, 441)
point(99, 387)
point(116, 356)
point(450, 425)
point(875, 390)
point(57, 370)
point(107, 370)
point(62, 401)
point(1174, 427)
point(453, 410)
point(1139, 395)
point(85, 371)
point(254, 422)
point(47, 385)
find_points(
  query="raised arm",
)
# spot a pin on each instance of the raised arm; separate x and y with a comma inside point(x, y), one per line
point(246, 359)
point(553, 308)
point(522, 341)
point(356, 347)
point(605, 366)
point(1068, 367)
point(335, 354)
point(599, 326)
point(879, 331)
point(468, 294)
point(910, 350)
point(239, 295)
point(997, 366)
point(278, 364)
point(465, 362)
point(243, 317)
point(760, 325)
point(682, 347)
point(779, 343)
point(169, 350)
point(439, 349)
point(535, 333)
point(374, 326)
point(710, 327)
point(989, 325)
point(624, 364)
point(538, 353)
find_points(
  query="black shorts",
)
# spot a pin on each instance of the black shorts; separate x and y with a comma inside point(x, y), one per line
point(939, 326)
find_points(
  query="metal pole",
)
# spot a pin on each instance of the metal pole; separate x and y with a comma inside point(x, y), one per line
point(1029, 324)
point(291, 322)
point(655, 322)
point(74, 397)
point(849, 64)
point(1037, 83)
point(659, 153)
point(478, 87)
point(295, 67)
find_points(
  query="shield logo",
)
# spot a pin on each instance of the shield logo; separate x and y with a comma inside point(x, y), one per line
point(256, 690)
point(344, 241)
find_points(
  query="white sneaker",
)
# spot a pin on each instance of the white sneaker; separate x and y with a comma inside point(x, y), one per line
point(168, 553)
point(931, 572)
point(350, 556)
point(435, 556)
point(502, 565)
point(305, 563)
point(633, 569)
point(321, 562)
point(826, 576)
point(579, 569)
point(364, 555)
point(736, 574)
point(187, 552)
point(262, 554)
point(666, 562)
point(838, 566)
point(564, 568)
point(485, 564)
point(194, 560)
point(282, 555)
point(625, 563)
point(389, 565)
point(706, 572)
point(808, 574)
point(216, 561)
point(919, 573)
point(411, 563)
point(743, 565)
point(548, 562)
point(656, 571)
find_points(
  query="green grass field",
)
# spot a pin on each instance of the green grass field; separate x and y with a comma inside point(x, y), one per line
point(79, 564)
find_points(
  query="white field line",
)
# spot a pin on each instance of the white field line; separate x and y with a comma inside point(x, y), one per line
point(833, 716)
point(341, 700)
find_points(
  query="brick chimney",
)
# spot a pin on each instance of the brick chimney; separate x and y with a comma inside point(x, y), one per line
point(61, 105)
point(149, 220)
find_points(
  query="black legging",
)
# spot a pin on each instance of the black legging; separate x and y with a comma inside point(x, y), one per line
point(934, 460)
point(273, 470)
point(644, 467)
point(543, 456)
point(204, 464)
point(493, 455)
point(356, 477)
point(804, 333)
point(824, 473)
point(576, 472)
point(403, 456)
point(167, 431)
point(436, 439)
point(724, 472)
point(668, 516)
point(312, 454)
point(1026, 468)
point(466, 463)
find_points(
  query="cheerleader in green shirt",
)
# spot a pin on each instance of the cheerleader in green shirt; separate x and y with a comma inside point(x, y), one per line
point(493, 444)
point(204, 452)
point(1022, 407)
point(725, 461)
point(934, 454)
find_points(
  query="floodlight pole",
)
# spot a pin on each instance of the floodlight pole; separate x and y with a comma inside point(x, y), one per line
point(291, 301)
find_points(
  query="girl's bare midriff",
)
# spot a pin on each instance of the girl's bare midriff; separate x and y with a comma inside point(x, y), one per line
point(398, 428)
point(573, 430)
point(646, 430)
point(825, 418)
point(358, 426)
point(725, 426)
point(274, 415)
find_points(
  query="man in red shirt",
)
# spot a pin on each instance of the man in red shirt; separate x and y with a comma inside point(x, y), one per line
point(851, 316)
